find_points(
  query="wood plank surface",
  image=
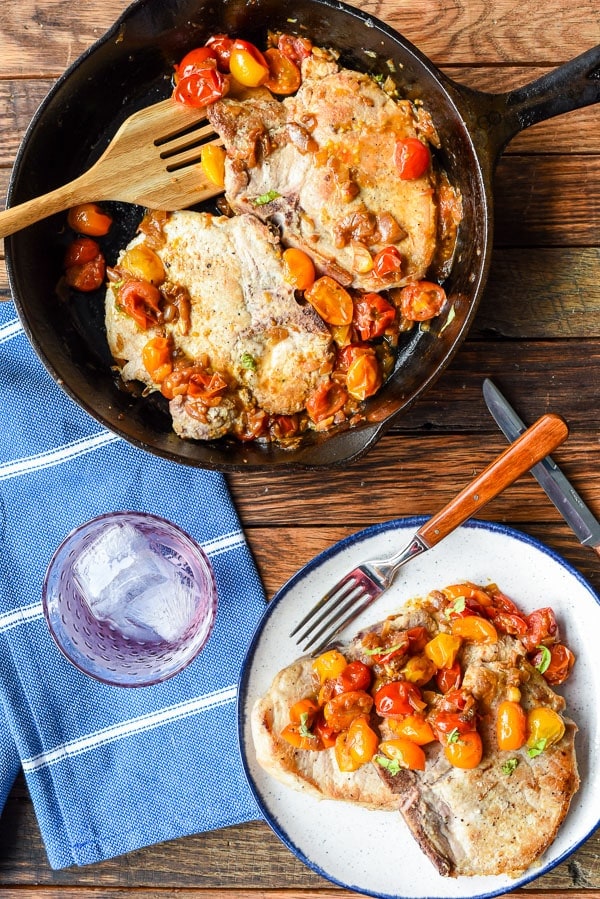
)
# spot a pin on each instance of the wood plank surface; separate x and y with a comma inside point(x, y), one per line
point(536, 333)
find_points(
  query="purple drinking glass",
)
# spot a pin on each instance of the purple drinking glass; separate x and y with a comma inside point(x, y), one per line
point(129, 598)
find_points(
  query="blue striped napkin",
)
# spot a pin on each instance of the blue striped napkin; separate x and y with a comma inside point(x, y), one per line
point(110, 769)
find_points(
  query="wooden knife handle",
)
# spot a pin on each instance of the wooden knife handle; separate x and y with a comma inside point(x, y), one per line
point(536, 442)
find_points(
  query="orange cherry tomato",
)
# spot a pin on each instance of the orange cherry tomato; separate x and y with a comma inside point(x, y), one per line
point(295, 48)
point(406, 753)
point(201, 88)
point(80, 251)
point(331, 301)
point(284, 75)
point(560, 664)
point(387, 262)
point(364, 377)
point(419, 670)
point(329, 664)
point(422, 300)
point(221, 46)
point(212, 159)
point(157, 358)
point(140, 300)
point(298, 737)
point(475, 629)
point(341, 710)
point(304, 707)
point(511, 725)
point(206, 385)
point(373, 315)
point(90, 219)
point(356, 746)
point(412, 158)
point(467, 591)
point(413, 727)
point(194, 60)
point(449, 678)
point(247, 64)
point(398, 697)
point(326, 400)
point(465, 751)
point(442, 649)
point(298, 268)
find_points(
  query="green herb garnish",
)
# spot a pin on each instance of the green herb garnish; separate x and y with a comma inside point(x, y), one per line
point(537, 748)
point(458, 606)
point(304, 729)
point(248, 361)
point(384, 650)
point(391, 765)
point(545, 660)
point(453, 736)
point(266, 198)
point(509, 766)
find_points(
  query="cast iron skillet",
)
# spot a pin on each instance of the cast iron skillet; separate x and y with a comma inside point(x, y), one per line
point(129, 68)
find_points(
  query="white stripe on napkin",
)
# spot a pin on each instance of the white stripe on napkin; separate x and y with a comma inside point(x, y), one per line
point(56, 456)
point(21, 615)
point(129, 728)
point(10, 329)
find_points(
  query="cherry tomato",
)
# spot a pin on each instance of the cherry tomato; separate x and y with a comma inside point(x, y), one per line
point(298, 737)
point(475, 629)
point(413, 727)
point(356, 746)
point(295, 48)
point(364, 377)
point(87, 277)
point(422, 300)
point(561, 663)
point(201, 88)
point(449, 678)
point(373, 315)
point(442, 649)
point(330, 301)
point(144, 264)
point(419, 670)
point(466, 751)
point(406, 752)
point(212, 159)
point(282, 426)
point(326, 734)
point(80, 251)
point(298, 268)
point(304, 707)
point(341, 710)
point(329, 664)
point(284, 75)
point(508, 623)
point(412, 158)
point(140, 300)
point(545, 725)
point(387, 262)
point(418, 637)
point(247, 64)
point(205, 385)
point(542, 628)
point(157, 358)
point(500, 601)
point(326, 400)
point(90, 219)
point(511, 725)
point(392, 646)
point(467, 591)
point(194, 60)
point(355, 676)
point(398, 697)
point(221, 45)
point(457, 711)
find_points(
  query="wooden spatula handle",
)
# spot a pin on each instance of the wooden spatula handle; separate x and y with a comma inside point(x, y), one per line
point(536, 442)
point(16, 217)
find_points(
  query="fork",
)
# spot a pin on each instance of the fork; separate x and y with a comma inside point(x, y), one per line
point(358, 589)
point(152, 161)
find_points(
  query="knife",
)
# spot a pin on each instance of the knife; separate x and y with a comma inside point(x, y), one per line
point(547, 473)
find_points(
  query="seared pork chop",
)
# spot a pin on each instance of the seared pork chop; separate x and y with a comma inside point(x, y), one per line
point(243, 323)
point(495, 818)
point(321, 164)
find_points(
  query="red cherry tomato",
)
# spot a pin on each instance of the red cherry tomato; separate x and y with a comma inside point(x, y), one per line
point(201, 88)
point(398, 697)
point(542, 628)
point(387, 262)
point(88, 276)
point(140, 300)
point(449, 678)
point(373, 315)
point(355, 676)
point(561, 662)
point(326, 400)
point(412, 158)
point(421, 300)
point(295, 48)
point(196, 59)
point(82, 250)
point(221, 45)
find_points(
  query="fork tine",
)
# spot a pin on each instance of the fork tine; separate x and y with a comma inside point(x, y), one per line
point(348, 620)
point(333, 616)
point(322, 602)
point(343, 600)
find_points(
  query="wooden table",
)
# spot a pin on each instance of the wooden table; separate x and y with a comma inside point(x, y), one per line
point(537, 333)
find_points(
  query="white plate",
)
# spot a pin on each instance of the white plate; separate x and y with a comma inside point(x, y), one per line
point(373, 852)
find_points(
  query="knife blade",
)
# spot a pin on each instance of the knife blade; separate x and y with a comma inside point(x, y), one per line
point(547, 473)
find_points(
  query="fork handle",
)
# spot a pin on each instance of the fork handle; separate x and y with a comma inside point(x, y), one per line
point(536, 442)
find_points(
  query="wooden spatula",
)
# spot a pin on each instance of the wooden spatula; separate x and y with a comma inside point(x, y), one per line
point(152, 161)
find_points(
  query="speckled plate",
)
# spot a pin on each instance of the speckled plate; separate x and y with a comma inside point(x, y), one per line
point(373, 852)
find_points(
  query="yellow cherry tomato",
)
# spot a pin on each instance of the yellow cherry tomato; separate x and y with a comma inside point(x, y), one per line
point(212, 159)
point(407, 753)
point(415, 728)
point(143, 263)
point(331, 301)
point(511, 725)
point(157, 359)
point(329, 664)
point(298, 267)
point(475, 629)
point(355, 746)
point(464, 750)
point(544, 727)
point(364, 377)
point(247, 64)
point(442, 649)
point(419, 670)
point(303, 707)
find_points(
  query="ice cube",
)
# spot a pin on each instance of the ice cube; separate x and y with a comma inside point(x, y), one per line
point(166, 609)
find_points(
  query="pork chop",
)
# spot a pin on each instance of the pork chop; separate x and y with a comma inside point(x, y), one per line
point(244, 323)
point(321, 164)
